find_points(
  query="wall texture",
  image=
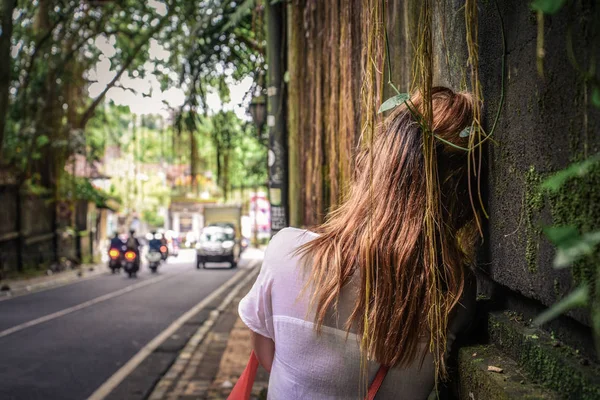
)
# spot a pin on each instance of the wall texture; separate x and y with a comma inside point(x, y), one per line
point(29, 240)
point(546, 123)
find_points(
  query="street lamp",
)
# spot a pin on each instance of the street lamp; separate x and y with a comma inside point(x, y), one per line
point(258, 112)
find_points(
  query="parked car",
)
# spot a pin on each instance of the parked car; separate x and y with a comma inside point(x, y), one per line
point(218, 243)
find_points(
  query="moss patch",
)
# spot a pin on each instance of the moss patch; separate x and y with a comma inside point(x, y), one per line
point(557, 292)
point(578, 204)
point(534, 202)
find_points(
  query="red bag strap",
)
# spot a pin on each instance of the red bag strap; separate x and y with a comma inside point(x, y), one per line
point(376, 384)
point(243, 387)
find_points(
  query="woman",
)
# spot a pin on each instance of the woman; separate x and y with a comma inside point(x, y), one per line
point(312, 325)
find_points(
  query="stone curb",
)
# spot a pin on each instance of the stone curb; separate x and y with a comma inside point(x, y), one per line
point(186, 356)
point(20, 287)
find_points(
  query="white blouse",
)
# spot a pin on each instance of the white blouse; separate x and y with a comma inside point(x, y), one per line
point(324, 366)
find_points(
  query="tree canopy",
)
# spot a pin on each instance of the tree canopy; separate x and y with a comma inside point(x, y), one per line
point(53, 46)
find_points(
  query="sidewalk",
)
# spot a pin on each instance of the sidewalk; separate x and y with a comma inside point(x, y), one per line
point(213, 359)
point(16, 287)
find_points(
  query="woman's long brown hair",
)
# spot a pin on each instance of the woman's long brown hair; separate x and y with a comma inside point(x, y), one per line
point(380, 228)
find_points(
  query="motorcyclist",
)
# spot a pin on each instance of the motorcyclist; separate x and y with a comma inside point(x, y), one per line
point(116, 242)
point(116, 252)
point(163, 244)
point(133, 243)
point(154, 243)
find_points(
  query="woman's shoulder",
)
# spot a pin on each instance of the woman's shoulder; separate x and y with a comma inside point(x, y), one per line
point(290, 239)
point(293, 235)
point(282, 249)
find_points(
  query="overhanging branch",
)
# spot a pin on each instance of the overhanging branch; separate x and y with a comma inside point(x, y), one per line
point(89, 112)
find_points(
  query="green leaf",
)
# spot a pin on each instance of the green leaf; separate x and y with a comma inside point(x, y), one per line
point(562, 235)
point(393, 102)
point(286, 76)
point(547, 6)
point(570, 245)
point(554, 182)
point(42, 140)
point(578, 298)
point(596, 96)
point(465, 132)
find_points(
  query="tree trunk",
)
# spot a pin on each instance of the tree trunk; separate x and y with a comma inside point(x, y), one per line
point(296, 56)
point(219, 172)
point(226, 173)
point(193, 161)
point(47, 119)
point(8, 7)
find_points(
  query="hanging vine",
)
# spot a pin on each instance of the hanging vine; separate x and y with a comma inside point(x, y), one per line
point(373, 61)
point(437, 315)
point(422, 81)
point(476, 133)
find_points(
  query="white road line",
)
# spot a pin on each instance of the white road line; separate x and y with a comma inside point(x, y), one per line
point(83, 305)
point(145, 351)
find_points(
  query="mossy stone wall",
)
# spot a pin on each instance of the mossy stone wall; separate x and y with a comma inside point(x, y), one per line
point(545, 124)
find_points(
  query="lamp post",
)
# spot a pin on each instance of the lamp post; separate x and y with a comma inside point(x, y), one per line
point(276, 119)
point(258, 112)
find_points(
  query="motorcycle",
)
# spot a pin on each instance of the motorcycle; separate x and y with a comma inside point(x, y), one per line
point(116, 259)
point(132, 264)
point(154, 259)
point(164, 252)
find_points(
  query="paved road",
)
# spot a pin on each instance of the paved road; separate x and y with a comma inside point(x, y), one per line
point(93, 327)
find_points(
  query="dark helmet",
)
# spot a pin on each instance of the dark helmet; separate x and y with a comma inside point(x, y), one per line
point(116, 235)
